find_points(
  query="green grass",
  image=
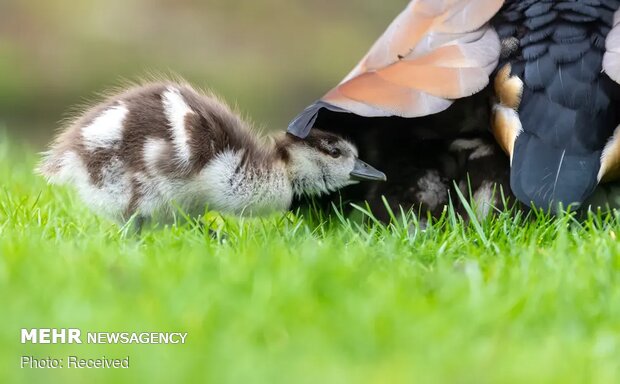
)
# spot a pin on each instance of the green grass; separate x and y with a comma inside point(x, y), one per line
point(305, 300)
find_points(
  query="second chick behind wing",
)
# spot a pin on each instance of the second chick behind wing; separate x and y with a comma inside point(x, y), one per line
point(153, 147)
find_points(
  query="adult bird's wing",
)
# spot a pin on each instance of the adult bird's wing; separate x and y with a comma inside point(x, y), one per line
point(435, 51)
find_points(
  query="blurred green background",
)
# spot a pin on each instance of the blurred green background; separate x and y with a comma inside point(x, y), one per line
point(271, 57)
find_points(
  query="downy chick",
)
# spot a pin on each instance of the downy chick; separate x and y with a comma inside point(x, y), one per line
point(158, 147)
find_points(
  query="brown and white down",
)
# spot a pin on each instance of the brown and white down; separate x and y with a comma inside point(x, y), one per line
point(153, 149)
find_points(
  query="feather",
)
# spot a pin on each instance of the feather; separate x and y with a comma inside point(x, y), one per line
point(432, 54)
point(581, 69)
point(538, 35)
point(540, 21)
point(534, 51)
point(569, 33)
point(611, 60)
point(610, 159)
point(546, 175)
point(569, 52)
point(540, 73)
point(538, 9)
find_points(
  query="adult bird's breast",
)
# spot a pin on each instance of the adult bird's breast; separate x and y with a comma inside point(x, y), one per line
point(555, 107)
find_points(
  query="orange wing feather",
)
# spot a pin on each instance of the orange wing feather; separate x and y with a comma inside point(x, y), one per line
point(434, 52)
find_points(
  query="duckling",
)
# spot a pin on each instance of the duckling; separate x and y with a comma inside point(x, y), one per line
point(158, 147)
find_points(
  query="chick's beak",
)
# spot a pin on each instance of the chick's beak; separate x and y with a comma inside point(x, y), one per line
point(364, 172)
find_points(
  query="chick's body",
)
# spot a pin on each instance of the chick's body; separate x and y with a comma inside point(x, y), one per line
point(163, 146)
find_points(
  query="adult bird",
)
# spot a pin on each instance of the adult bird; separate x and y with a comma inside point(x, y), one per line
point(554, 68)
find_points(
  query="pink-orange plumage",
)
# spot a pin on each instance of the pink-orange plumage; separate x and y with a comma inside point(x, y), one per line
point(430, 40)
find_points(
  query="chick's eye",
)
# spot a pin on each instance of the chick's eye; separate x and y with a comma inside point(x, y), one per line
point(335, 153)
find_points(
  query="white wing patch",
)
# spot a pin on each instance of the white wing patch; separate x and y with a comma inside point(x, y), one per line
point(106, 131)
point(176, 110)
point(153, 152)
